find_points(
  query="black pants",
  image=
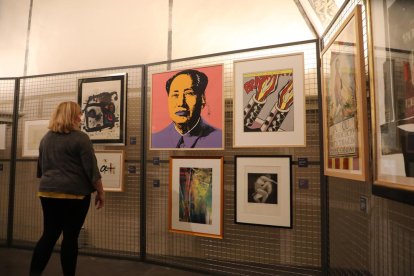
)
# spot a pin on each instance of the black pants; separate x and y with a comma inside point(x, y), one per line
point(60, 215)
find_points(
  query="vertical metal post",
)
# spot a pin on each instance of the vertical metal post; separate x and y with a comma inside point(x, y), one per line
point(143, 236)
point(323, 178)
point(15, 123)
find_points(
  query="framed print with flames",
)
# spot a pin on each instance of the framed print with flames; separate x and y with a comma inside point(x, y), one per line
point(269, 102)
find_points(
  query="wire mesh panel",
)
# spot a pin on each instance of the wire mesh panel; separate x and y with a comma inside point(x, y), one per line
point(7, 87)
point(378, 241)
point(244, 249)
point(115, 229)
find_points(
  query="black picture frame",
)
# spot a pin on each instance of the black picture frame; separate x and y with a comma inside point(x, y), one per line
point(270, 176)
point(103, 104)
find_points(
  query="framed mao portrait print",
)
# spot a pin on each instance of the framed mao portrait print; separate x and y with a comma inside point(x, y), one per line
point(391, 42)
point(187, 109)
point(103, 104)
point(344, 102)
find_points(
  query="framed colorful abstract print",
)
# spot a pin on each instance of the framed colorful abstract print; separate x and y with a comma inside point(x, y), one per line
point(103, 104)
point(111, 167)
point(269, 102)
point(264, 190)
point(344, 102)
point(187, 109)
point(33, 132)
point(196, 196)
point(391, 48)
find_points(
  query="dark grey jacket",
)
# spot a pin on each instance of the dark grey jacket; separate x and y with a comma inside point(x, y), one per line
point(67, 163)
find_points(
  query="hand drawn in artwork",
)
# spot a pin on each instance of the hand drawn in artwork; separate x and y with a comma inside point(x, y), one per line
point(195, 195)
point(100, 111)
point(107, 167)
point(268, 98)
point(262, 188)
point(341, 106)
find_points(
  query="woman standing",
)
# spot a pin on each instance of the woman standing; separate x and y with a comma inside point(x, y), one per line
point(69, 174)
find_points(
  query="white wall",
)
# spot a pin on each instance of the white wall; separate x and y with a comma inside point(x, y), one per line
point(67, 35)
point(13, 29)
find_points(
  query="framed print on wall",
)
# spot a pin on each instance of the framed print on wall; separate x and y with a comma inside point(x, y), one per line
point(2, 136)
point(33, 132)
point(187, 109)
point(269, 102)
point(111, 167)
point(103, 104)
point(392, 97)
point(321, 13)
point(264, 190)
point(196, 196)
point(344, 102)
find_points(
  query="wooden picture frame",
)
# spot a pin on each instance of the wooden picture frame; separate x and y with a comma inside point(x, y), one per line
point(3, 136)
point(193, 122)
point(103, 104)
point(391, 66)
point(269, 102)
point(263, 191)
point(344, 102)
point(196, 196)
point(111, 167)
point(33, 132)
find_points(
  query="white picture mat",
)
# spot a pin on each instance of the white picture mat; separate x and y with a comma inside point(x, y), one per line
point(279, 138)
point(112, 180)
point(33, 132)
point(216, 166)
point(2, 137)
point(94, 88)
point(269, 214)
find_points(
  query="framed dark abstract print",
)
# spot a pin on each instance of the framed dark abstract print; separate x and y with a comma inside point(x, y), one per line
point(103, 104)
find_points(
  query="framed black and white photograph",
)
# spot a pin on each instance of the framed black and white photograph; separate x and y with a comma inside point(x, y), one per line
point(264, 190)
point(103, 104)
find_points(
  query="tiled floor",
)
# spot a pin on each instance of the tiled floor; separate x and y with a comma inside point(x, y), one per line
point(15, 262)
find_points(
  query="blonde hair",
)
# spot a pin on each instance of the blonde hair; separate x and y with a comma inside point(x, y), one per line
point(64, 117)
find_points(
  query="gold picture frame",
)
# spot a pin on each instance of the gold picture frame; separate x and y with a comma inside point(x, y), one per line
point(344, 102)
point(196, 196)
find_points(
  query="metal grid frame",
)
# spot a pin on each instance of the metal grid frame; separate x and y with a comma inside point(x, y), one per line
point(245, 249)
point(134, 223)
point(113, 231)
point(7, 92)
point(379, 240)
